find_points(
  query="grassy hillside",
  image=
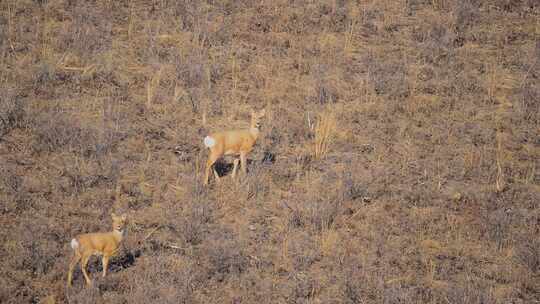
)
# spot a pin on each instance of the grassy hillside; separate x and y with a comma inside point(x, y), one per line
point(398, 162)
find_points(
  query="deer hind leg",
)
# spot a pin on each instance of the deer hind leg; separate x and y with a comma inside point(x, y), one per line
point(216, 175)
point(235, 168)
point(105, 261)
point(210, 165)
point(74, 260)
point(84, 263)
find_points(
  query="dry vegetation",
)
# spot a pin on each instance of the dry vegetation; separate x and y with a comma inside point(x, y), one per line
point(398, 163)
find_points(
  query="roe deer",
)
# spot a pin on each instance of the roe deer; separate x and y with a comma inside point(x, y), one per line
point(105, 244)
point(234, 142)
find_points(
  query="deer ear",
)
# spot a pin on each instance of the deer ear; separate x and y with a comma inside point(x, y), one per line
point(261, 113)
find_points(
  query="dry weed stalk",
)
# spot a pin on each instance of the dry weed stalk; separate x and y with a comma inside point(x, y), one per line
point(499, 180)
point(324, 134)
point(153, 83)
point(349, 38)
point(131, 20)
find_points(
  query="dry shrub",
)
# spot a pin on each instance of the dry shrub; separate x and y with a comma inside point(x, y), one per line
point(320, 215)
point(18, 196)
point(527, 253)
point(530, 99)
point(12, 183)
point(194, 226)
point(3, 34)
point(321, 204)
point(258, 179)
point(224, 256)
point(164, 279)
point(466, 14)
point(515, 6)
point(324, 91)
point(527, 257)
point(41, 249)
point(388, 77)
point(470, 294)
point(436, 42)
point(194, 74)
point(84, 296)
point(56, 130)
point(45, 74)
point(34, 255)
point(302, 250)
point(81, 175)
point(499, 225)
point(11, 110)
point(357, 285)
point(90, 30)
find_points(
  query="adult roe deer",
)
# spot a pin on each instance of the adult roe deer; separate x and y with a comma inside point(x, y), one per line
point(233, 142)
point(105, 244)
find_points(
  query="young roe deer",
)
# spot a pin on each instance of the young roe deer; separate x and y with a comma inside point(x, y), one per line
point(233, 142)
point(105, 244)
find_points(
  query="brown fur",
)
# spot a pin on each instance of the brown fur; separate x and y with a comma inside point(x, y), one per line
point(234, 142)
point(105, 244)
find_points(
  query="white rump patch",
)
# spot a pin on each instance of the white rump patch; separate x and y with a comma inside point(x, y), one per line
point(209, 142)
point(74, 244)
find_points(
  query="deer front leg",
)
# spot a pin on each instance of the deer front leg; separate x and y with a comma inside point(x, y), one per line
point(105, 262)
point(243, 160)
point(84, 263)
point(235, 168)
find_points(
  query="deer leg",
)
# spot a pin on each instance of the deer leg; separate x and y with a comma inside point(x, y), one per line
point(84, 263)
point(105, 261)
point(211, 160)
point(243, 163)
point(74, 260)
point(235, 168)
point(216, 175)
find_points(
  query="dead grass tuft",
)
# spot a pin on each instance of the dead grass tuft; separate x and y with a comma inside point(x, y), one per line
point(324, 130)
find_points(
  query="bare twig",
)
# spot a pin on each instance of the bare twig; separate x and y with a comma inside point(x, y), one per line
point(150, 234)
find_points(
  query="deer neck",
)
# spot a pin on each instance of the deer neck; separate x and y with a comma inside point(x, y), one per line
point(254, 131)
point(118, 234)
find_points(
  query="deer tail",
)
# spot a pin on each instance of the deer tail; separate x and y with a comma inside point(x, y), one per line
point(74, 244)
point(209, 141)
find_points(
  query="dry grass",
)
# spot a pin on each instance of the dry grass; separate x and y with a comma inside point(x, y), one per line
point(398, 162)
point(325, 129)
